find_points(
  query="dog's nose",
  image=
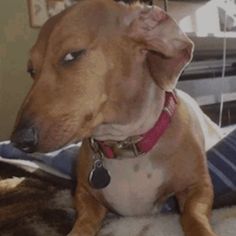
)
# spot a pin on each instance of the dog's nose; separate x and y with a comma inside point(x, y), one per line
point(26, 139)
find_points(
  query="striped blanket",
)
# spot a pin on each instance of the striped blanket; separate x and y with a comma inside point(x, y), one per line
point(222, 167)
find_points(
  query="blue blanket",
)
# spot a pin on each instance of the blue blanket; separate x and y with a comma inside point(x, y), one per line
point(61, 160)
point(221, 163)
point(222, 168)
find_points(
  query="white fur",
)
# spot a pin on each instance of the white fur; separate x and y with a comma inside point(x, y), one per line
point(223, 222)
point(134, 185)
point(210, 130)
point(62, 199)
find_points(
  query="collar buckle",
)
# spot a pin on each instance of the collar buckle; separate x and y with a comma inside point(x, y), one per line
point(136, 150)
point(131, 143)
point(96, 149)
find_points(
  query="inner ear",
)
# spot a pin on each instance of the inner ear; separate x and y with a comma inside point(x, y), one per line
point(169, 49)
point(166, 70)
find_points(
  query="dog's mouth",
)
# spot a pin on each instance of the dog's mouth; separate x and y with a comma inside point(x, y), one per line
point(44, 147)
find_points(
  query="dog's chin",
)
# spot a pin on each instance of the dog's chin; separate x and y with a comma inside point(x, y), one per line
point(50, 141)
point(51, 144)
point(46, 147)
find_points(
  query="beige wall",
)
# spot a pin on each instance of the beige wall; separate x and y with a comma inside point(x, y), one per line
point(16, 37)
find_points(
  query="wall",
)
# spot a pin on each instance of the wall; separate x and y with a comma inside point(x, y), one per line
point(16, 37)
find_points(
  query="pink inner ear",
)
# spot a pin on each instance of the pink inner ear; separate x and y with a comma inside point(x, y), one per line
point(166, 70)
point(181, 59)
point(157, 32)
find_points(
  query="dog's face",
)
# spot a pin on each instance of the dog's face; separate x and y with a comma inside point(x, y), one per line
point(88, 66)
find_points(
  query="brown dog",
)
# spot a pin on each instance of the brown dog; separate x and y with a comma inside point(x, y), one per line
point(101, 70)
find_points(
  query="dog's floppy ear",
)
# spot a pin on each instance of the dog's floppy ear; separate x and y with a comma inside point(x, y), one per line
point(169, 50)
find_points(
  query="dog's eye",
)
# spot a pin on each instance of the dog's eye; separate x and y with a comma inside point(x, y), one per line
point(32, 72)
point(72, 56)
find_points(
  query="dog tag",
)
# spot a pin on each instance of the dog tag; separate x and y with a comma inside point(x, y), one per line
point(99, 177)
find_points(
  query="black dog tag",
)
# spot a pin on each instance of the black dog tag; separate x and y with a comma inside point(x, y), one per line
point(99, 177)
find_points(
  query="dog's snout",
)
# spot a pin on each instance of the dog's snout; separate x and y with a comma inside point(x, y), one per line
point(26, 139)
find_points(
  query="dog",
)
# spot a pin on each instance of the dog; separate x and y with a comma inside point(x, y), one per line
point(105, 73)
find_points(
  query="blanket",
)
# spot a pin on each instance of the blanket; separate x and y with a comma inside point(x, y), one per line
point(34, 204)
point(40, 204)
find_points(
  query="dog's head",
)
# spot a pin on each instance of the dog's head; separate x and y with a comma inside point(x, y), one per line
point(91, 65)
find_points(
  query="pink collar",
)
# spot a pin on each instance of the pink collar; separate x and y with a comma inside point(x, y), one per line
point(148, 140)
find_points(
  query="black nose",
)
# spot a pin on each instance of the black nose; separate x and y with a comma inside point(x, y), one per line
point(26, 139)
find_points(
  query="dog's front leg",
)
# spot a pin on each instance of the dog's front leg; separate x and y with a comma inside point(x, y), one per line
point(195, 204)
point(90, 214)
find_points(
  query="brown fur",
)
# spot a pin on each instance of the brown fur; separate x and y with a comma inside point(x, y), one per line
point(128, 49)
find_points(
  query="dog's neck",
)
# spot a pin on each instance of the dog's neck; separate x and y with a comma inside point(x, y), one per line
point(149, 112)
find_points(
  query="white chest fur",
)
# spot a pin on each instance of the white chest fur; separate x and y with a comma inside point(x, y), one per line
point(134, 185)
